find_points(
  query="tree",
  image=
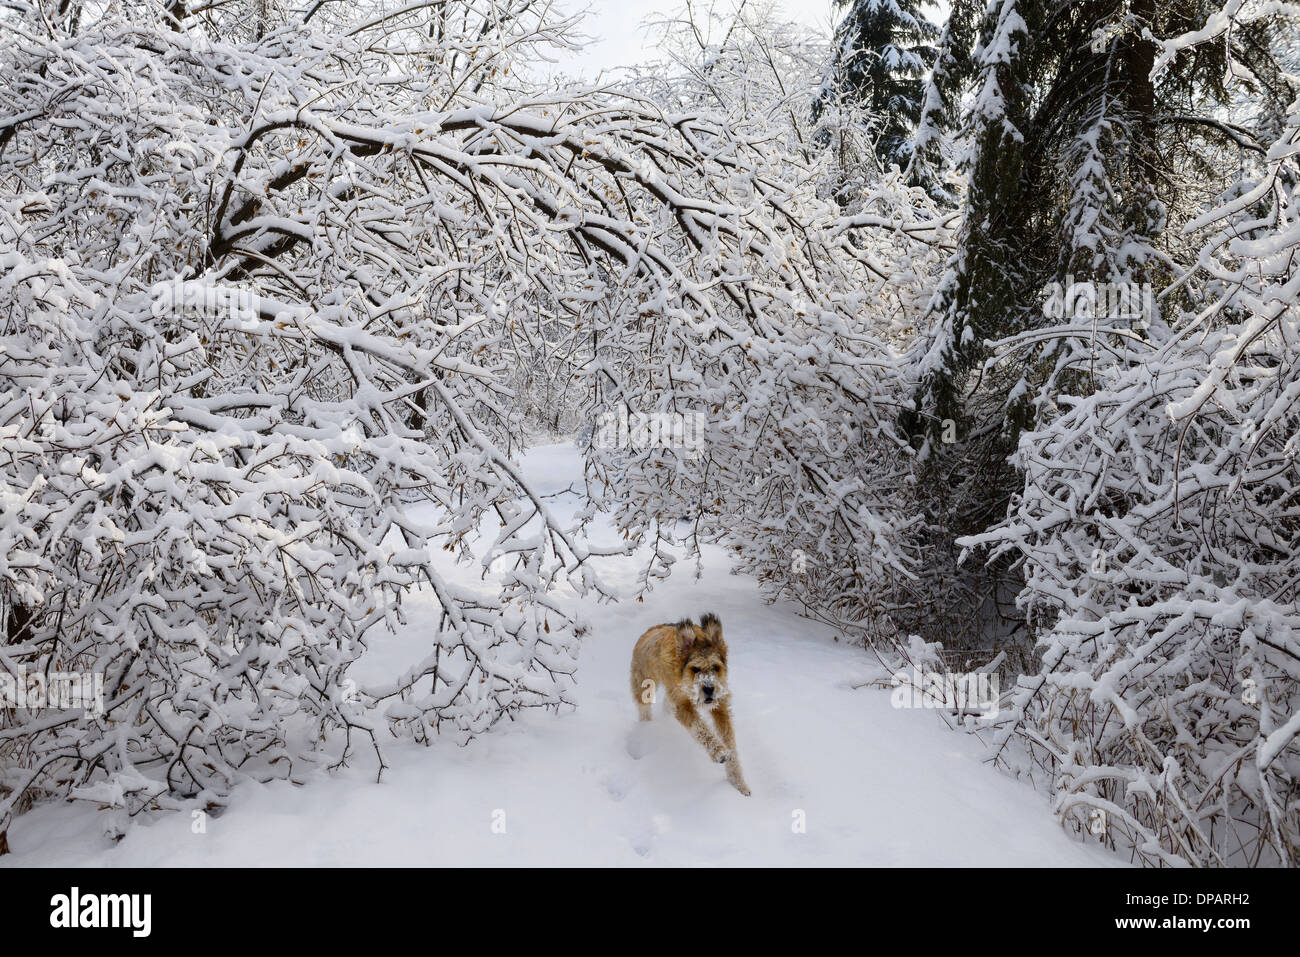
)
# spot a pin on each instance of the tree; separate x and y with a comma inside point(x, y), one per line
point(1159, 533)
point(883, 49)
point(1079, 165)
point(249, 324)
point(799, 473)
point(929, 160)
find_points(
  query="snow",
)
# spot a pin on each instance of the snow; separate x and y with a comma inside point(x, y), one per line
point(871, 784)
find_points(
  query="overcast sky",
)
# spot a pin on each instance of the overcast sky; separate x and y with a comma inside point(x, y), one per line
point(620, 40)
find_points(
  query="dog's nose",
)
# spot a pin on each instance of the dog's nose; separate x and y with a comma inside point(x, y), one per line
point(708, 692)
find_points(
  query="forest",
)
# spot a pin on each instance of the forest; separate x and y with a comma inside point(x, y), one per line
point(968, 333)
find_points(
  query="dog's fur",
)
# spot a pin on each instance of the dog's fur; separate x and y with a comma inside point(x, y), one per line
point(688, 664)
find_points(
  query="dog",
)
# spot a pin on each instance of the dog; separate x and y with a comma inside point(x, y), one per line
point(689, 663)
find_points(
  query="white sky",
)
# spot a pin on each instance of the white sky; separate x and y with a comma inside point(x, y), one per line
point(620, 39)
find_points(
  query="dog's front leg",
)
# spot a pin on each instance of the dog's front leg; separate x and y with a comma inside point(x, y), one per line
point(701, 732)
point(722, 719)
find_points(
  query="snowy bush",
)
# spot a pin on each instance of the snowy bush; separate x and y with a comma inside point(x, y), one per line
point(250, 318)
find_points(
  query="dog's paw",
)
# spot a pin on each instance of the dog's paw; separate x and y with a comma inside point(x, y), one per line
point(743, 789)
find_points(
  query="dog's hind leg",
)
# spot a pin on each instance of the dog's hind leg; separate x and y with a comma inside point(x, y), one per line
point(701, 732)
point(722, 720)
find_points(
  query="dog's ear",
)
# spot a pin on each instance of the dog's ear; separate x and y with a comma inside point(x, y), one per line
point(685, 637)
point(712, 628)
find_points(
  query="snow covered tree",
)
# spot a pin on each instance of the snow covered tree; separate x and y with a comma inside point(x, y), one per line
point(250, 321)
point(929, 161)
point(883, 49)
point(800, 472)
point(1161, 539)
point(1081, 168)
point(957, 419)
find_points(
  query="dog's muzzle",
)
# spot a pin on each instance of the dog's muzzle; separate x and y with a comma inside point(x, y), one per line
point(707, 692)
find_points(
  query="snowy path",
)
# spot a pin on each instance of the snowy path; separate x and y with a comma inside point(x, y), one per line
point(875, 785)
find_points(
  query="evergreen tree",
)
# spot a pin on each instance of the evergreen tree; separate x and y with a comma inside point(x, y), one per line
point(1069, 178)
point(883, 49)
point(940, 115)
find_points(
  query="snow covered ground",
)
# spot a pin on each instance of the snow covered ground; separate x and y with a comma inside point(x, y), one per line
point(873, 785)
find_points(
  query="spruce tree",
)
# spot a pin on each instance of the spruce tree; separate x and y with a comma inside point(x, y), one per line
point(883, 50)
point(940, 116)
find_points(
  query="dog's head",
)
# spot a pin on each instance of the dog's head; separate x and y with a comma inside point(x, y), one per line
point(703, 655)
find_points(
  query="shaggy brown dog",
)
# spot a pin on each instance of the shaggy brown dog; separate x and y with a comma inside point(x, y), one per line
point(689, 662)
